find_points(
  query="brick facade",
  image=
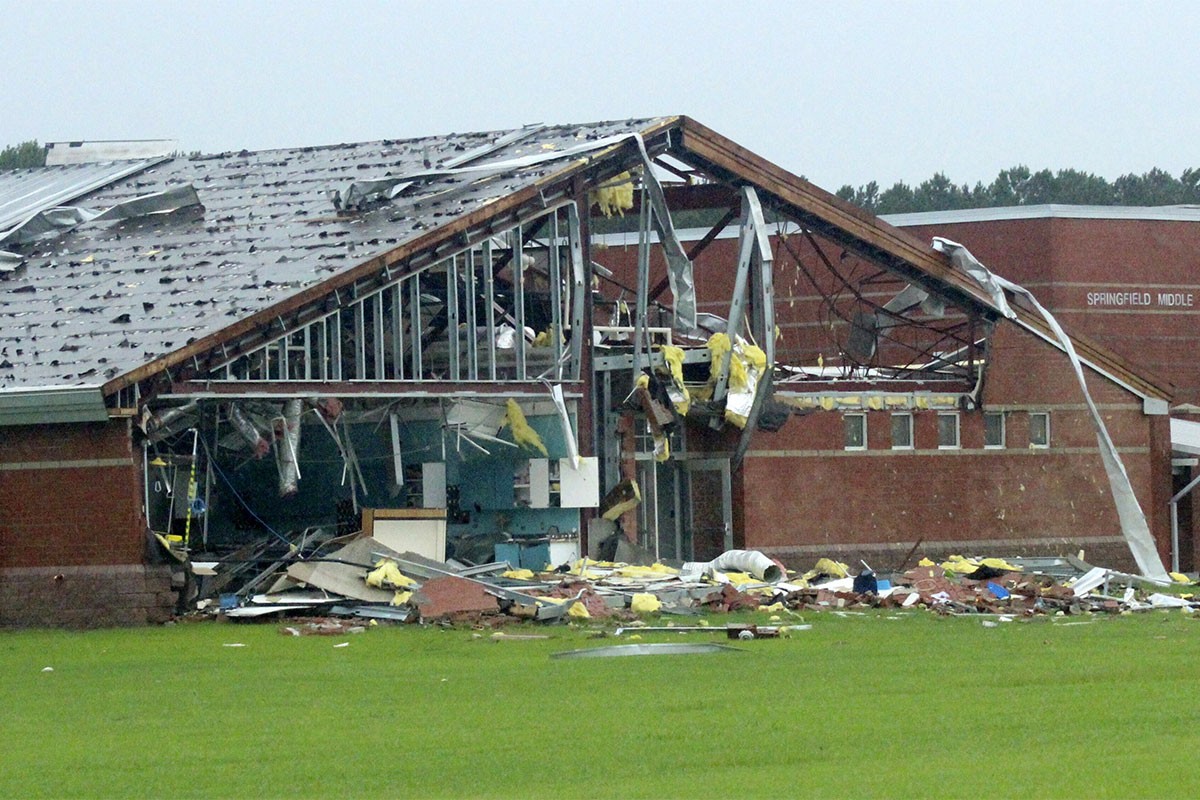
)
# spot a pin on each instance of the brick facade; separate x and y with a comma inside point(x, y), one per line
point(806, 495)
point(1085, 271)
point(72, 535)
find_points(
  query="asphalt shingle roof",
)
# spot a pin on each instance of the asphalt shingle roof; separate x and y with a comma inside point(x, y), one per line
point(104, 299)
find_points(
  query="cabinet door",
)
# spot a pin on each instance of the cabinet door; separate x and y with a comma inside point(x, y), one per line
point(433, 484)
point(580, 488)
point(539, 483)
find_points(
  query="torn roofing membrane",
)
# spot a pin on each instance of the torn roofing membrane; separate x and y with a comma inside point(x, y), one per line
point(25, 192)
point(108, 297)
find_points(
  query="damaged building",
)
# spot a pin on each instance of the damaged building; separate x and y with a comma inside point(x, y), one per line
point(525, 345)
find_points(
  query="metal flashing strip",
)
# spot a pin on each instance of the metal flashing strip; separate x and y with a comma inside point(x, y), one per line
point(909, 452)
point(87, 463)
point(1179, 213)
point(52, 405)
point(1129, 510)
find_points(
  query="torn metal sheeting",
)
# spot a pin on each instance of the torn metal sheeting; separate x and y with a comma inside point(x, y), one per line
point(253, 612)
point(654, 649)
point(26, 192)
point(389, 613)
point(54, 222)
point(1133, 521)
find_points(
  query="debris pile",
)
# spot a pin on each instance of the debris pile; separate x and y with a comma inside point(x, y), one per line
point(359, 577)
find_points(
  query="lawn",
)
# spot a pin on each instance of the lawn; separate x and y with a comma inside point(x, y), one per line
point(878, 705)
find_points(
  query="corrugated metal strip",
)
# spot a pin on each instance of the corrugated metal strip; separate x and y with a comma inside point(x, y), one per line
point(26, 192)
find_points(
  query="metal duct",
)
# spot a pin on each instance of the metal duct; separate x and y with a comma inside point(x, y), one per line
point(748, 561)
point(289, 447)
point(247, 431)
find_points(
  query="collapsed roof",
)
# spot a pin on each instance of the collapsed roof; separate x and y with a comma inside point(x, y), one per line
point(162, 264)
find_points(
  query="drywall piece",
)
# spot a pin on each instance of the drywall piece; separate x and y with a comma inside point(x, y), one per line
point(345, 571)
point(539, 483)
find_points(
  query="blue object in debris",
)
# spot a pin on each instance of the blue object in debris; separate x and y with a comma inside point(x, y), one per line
point(229, 602)
point(510, 552)
point(866, 583)
point(884, 584)
point(999, 591)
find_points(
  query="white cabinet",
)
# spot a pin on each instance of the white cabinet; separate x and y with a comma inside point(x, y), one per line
point(555, 483)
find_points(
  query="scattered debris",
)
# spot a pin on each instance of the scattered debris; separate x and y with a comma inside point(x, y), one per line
point(358, 578)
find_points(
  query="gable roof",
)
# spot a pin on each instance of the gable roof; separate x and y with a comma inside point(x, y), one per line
point(108, 306)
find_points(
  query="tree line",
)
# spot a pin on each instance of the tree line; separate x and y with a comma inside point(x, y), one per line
point(1019, 186)
point(22, 156)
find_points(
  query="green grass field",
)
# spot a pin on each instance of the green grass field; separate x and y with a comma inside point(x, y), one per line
point(881, 705)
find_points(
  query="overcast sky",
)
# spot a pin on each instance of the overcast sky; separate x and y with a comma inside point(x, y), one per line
point(842, 92)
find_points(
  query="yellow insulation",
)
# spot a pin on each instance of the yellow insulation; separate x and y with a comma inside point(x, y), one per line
point(674, 358)
point(522, 433)
point(617, 197)
point(386, 572)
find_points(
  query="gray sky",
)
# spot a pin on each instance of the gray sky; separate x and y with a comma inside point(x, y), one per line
point(842, 92)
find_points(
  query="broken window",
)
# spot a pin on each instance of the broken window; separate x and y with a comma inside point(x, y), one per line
point(993, 429)
point(948, 431)
point(902, 431)
point(1039, 429)
point(855, 431)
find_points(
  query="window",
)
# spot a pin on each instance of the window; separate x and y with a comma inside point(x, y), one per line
point(1039, 429)
point(947, 431)
point(993, 429)
point(855, 431)
point(902, 432)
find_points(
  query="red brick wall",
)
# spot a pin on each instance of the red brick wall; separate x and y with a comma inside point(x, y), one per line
point(70, 495)
point(71, 530)
point(1065, 260)
point(805, 495)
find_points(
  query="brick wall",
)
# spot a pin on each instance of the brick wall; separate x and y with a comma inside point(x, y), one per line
point(72, 535)
point(1065, 260)
point(806, 496)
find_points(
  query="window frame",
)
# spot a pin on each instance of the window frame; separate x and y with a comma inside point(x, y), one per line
point(1003, 430)
point(846, 431)
point(911, 439)
point(1039, 445)
point(957, 430)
